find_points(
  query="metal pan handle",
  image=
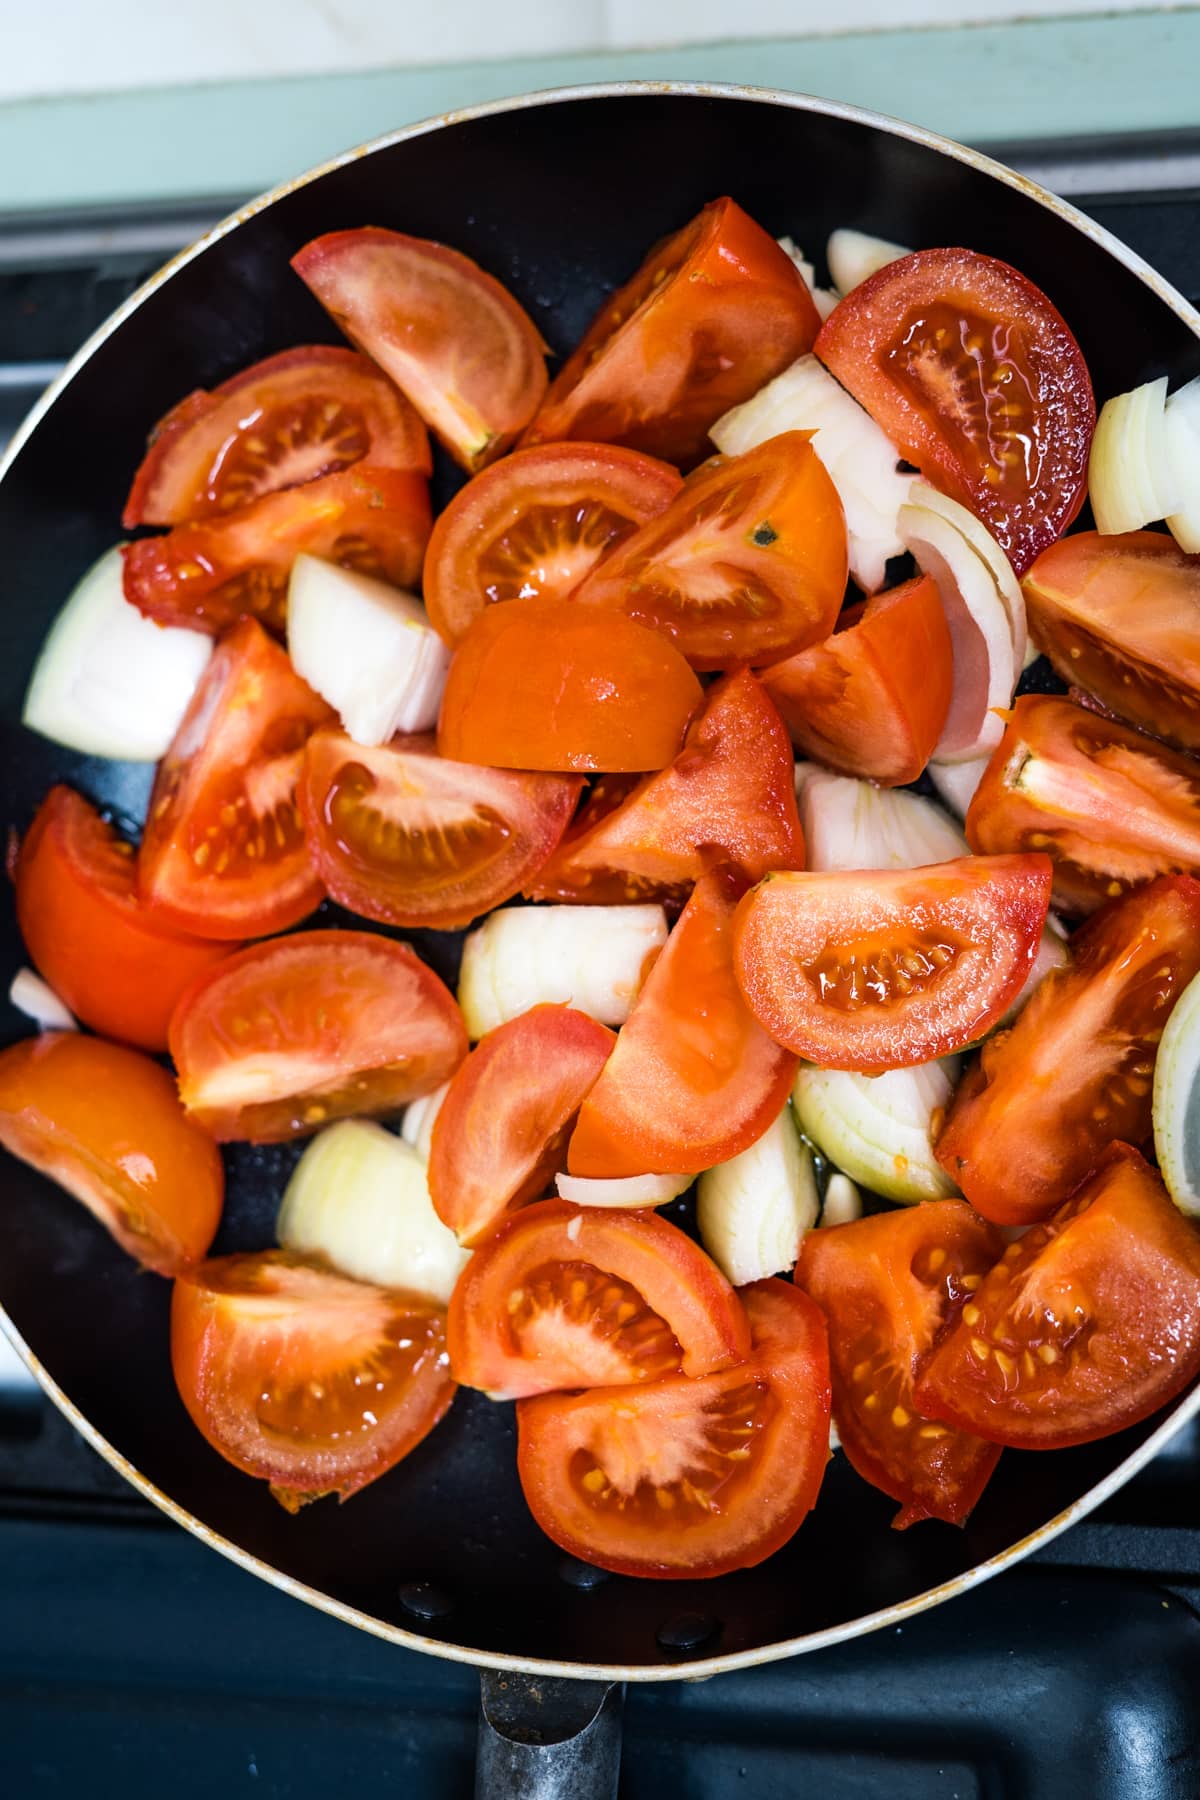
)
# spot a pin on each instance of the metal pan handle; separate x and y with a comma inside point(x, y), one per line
point(545, 1739)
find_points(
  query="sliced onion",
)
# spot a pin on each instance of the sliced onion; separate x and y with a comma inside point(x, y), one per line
point(849, 824)
point(843, 1202)
point(824, 299)
point(854, 255)
point(990, 553)
point(622, 1191)
point(1183, 448)
point(590, 957)
point(39, 1002)
point(416, 1128)
point(880, 1129)
point(1177, 1101)
point(754, 1210)
point(956, 782)
point(1131, 480)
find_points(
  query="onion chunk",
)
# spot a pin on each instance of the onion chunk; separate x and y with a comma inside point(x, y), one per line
point(590, 957)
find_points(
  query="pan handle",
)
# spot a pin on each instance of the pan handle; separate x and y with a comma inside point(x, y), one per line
point(547, 1739)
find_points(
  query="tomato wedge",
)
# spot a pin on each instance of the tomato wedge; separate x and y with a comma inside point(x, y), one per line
point(1075, 1070)
point(747, 564)
point(872, 699)
point(711, 316)
point(1086, 1325)
point(468, 357)
point(553, 685)
point(288, 419)
point(693, 1079)
point(405, 836)
point(223, 852)
point(567, 1297)
point(1110, 807)
point(685, 1478)
point(106, 1124)
point(273, 1354)
point(287, 1035)
point(889, 1286)
point(881, 970)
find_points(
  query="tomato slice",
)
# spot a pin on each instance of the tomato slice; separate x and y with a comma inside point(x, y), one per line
point(468, 357)
point(303, 1378)
point(1110, 807)
point(596, 691)
point(288, 419)
point(881, 970)
point(223, 852)
point(287, 1035)
point(208, 575)
point(405, 836)
point(693, 1079)
point(711, 316)
point(1120, 617)
point(106, 1124)
point(1087, 1324)
point(685, 1478)
point(889, 1286)
point(1074, 1072)
point(747, 564)
point(566, 1297)
point(872, 700)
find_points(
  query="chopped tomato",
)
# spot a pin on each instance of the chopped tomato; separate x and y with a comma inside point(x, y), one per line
point(872, 700)
point(468, 357)
point(223, 852)
point(106, 1124)
point(289, 1034)
point(1086, 1325)
point(882, 970)
point(208, 575)
point(747, 564)
point(685, 1478)
point(1075, 1070)
point(553, 685)
point(977, 379)
point(693, 1079)
point(534, 525)
point(306, 1379)
point(889, 1286)
point(711, 316)
point(567, 1297)
point(108, 955)
point(285, 420)
point(1110, 807)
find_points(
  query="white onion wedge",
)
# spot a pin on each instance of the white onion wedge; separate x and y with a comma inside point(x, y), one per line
point(854, 255)
point(621, 1191)
point(880, 1129)
point(754, 1210)
point(990, 554)
point(1177, 1101)
point(956, 782)
point(1183, 448)
point(843, 1202)
point(824, 299)
point(416, 1127)
point(590, 957)
point(39, 1002)
point(1131, 481)
point(850, 824)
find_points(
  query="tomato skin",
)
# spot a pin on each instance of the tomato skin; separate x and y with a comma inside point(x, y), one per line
point(106, 1124)
point(668, 353)
point(953, 353)
point(1074, 1071)
point(778, 1463)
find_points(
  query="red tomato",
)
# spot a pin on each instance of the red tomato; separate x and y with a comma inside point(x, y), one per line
point(468, 357)
point(976, 378)
point(285, 420)
point(711, 316)
point(693, 1079)
point(889, 1286)
point(287, 1035)
point(883, 970)
point(535, 525)
point(101, 949)
point(684, 1477)
point(403, 835)
point(1087, 1324)
point(872, 700)
point(501, 1132)
point(567, 1297)
point(553, 685)
point(746, 565)
point(1110, 807)
point(208, 575)
point(728, 797)
point(223, 851)
point(1075, 1070)
point(106, 1124)
point(306, 1379)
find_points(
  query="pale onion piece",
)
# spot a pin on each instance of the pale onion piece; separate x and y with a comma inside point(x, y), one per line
point(754, 1210)
point(992, 556)
point(109, 681)
point(1131, 478)
point(854, 255)
point(835, 1442)
point(843, 1202)
point(1183, 448)
point(359, 1196)
point(622, 1191)
point(880, 1129)
point(39, 1002)
point(367, 648)
point(824, 299)
point(416, 1127)
point(956, 782)
point(850, 824)
point(591, 957)
point(1177, 1101)
point(1053, 953)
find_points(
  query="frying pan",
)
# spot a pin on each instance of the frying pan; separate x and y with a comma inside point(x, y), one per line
point(559, 195)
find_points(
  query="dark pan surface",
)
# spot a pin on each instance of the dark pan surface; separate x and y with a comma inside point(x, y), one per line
point(560, 201)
